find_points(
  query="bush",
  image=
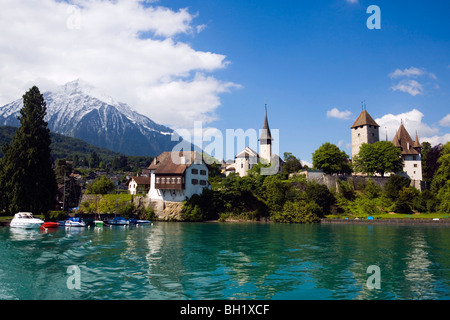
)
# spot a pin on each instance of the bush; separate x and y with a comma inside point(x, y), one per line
point(320, 194)
point(298, 212)
point(394, 185)
point(403, 203)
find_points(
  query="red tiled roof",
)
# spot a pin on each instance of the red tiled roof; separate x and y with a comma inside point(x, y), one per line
point(172, 162)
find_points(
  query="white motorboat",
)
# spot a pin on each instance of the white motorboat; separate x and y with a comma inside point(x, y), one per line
point(72, 222)
point(25, 220)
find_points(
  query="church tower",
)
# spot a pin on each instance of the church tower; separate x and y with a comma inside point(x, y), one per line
point(364, 130)
point(265, 141)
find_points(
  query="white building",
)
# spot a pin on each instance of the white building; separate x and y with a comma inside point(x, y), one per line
point(138, 185)
point(411, 153)
point(175, 176)
point(244, 161)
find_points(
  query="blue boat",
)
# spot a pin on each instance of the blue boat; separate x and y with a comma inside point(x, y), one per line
point(117, 221)
point(138, 221)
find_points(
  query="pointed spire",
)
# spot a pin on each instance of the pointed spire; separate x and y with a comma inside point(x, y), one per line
point(265, 137)
point(416, 142)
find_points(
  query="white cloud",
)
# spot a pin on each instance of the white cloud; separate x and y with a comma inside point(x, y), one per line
point(411, 72)
point(352, 1)
point(335, 113)
point(128, 49)
point(435, 140)
point(413, 122)
point(412, 87)
point(445, 122)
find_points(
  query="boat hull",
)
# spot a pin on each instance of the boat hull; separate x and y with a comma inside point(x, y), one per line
point(50, 225)
point(26, 225)
point(25, 220)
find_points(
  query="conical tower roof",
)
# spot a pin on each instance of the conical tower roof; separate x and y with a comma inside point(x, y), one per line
point(403, 140)
point(416, 142)
point(364, 119)
point(266, 136)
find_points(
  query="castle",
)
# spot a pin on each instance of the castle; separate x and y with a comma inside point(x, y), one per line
point(366, 130)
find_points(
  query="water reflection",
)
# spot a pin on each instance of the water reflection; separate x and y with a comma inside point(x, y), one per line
point(227, 261)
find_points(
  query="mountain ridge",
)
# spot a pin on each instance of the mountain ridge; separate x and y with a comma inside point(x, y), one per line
point(77, 109)
point(62, 146)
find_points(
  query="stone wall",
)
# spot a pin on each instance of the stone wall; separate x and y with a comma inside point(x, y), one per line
point(166, 210)
point(331, 181)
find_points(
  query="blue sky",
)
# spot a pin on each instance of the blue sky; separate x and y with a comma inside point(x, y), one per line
point(305, 58)
point(220, 61)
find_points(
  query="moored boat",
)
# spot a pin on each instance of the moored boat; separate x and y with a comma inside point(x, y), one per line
point(117, 221)
point(25, 220)
point(138, 221)
point(72, 222)
point(98, 223)
point(49, 224)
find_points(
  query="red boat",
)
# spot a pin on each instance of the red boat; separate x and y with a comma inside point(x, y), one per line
point(49, 224)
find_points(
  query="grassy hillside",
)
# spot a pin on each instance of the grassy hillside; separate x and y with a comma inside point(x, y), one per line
point(62, 146)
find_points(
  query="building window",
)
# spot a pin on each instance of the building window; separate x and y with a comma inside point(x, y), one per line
point(163, 180)
point(179, 180)
point(194, 181)
point(203, 182)
point(415, 165)
point(373, 134)
point(173, 180)
point(194, 171)
point(242, 165)
point(158, 180)
point(203, 172)
point(414, 157)
point(359, 134)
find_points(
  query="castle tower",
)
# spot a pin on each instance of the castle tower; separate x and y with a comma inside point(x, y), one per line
point(265, 141)
point(411, 153)
point(364, 130)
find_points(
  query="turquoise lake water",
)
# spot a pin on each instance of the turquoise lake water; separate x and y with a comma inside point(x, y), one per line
point(226, 261)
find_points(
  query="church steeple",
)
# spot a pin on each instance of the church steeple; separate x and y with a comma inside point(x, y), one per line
point(265, 140)
point(266, 137)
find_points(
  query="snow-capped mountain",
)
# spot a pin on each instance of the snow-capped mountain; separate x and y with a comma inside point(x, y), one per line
point(78, 110)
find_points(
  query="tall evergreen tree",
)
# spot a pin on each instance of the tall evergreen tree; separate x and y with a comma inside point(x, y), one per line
point(27, 177)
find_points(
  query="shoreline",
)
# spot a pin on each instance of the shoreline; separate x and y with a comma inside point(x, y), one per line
point(409, 221)
point(404, 221)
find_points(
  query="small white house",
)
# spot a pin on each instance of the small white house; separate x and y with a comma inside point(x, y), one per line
point(244, 161)
point(175, 176)
point(138, 185)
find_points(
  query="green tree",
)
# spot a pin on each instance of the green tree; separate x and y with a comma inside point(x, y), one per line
point(394, 185)
point(444, 197)
point(27, 177)
point(404, 201)
point(101, 185)
point(94, 160)
point(330, 159)
point(442, 174)
point(321, 195)
point(291, 163)
point(379, 157)
point(430, 156)
point(274, 191)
